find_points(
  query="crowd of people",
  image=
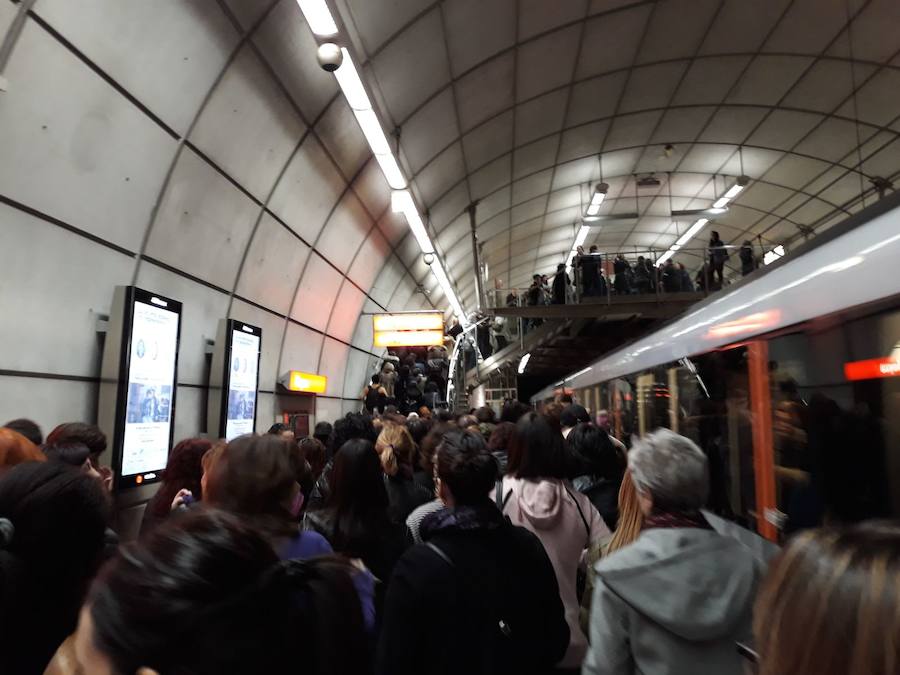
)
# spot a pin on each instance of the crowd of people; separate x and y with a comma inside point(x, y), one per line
point(593, 275)
point(433, 543)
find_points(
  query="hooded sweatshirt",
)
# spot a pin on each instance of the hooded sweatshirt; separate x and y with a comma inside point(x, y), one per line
point(553, 511)
point(673, 603)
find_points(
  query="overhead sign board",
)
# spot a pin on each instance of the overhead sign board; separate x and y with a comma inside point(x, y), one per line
point(408, 329)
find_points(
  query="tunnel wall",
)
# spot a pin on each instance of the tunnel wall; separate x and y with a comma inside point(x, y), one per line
point(195, 149)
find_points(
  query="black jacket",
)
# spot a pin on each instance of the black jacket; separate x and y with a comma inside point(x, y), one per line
point(604, 495)
point(404, 496)
point(485, 603)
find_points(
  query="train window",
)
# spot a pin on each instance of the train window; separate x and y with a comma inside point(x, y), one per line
point(836, 422)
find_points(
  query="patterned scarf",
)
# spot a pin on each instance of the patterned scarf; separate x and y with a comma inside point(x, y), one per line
point(676, 519)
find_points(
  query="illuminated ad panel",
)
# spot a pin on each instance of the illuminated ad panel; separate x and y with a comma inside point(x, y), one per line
point(151, 351)
point(413, 329)
point(241, 378)
point(308, 383)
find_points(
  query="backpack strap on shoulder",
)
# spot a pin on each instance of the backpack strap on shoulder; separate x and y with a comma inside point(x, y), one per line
point(440, 553)
point(499, 498)
point(584, 520)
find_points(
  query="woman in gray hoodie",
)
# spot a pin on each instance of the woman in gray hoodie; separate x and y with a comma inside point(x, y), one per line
point(676, 600)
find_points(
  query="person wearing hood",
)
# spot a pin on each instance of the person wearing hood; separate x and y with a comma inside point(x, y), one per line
point(480, 595)
point(535, 494)
point(677, 599)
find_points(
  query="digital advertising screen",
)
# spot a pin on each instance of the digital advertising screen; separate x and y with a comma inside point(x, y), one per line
point(152, 361)
point(242, 378)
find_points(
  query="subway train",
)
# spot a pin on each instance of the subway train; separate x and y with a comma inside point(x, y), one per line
point(789, 381)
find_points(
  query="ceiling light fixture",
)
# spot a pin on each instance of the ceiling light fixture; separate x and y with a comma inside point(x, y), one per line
point(682, 240)
point(611, 216)
point(597, 199)
point(732, 192)
point(711, 211)
point(322, 24)
point(773, 255)
point(318, 17)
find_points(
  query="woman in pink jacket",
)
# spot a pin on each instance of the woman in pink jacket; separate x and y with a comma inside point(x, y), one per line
point(537, 495)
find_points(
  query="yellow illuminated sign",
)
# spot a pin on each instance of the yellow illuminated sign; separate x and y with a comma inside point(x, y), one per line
point(307, 382)
point(412, 321)
point(409, 338)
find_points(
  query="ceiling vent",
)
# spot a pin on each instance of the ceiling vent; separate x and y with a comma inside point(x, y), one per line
point(650, 181)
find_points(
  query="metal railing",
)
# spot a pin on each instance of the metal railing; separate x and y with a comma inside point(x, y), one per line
point(618, 275)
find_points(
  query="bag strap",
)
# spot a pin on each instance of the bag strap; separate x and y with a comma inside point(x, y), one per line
point(587, 527)
point(440, 553)
point(499, 499)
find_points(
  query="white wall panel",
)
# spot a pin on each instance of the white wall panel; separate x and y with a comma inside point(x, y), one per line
point(344, 232)
point(328, 409)
point(308, 190)
point(386, 281)
point(203, 223)
point(272, 266)
point(7, 14)
point(370, 259)
point(301, 350)
point(340, 133)
point(73, 147)
point(332, 364)
point(273, 328)
point(360, 367)
point(53, 286)
point(248, 126)
point(190, 413)
point(47, 402)
point(202, 309)
point(180, 47)
point(345, 312)
point(373, 190)
point(266, 415)
point(316, 295)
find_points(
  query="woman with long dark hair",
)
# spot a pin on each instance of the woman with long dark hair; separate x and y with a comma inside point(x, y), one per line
point(206, 594)
point(184, 471)
point(355, 520)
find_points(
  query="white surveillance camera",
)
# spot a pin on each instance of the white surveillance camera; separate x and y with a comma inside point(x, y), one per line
point(329, 56)
point(428, 258)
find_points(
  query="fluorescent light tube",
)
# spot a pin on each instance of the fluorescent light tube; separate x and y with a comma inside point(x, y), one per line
point(664, 257)
point(523, 362)
point(582, 235)
point(318, 17)
point(733, 192)
point(391, 171)
point(694, 229)
point(371, 128)
point(351, 84)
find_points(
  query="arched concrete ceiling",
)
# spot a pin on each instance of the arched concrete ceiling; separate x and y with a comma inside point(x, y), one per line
point(194, 148)
point(510, 103)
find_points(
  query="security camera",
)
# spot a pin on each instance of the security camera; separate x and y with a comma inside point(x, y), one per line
point(329, 56)
point(428, 258)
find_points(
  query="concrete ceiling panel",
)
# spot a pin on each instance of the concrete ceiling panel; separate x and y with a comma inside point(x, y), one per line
point(826, 85)
point(344, 140)
point(386, 281)
point(344, 232)
point(485, 91)
point(373, 255)
point(537, 16)
point(577, 172)
point(429, 130)
point(378, 20)
point(308, 190)
point(878, 101)
point(831, 141)
point(546, 63)
point(476, 30)
point(182, 47)
point(346, 312)
point(316, 294)
point(535, 156)
point(611, 41)
point(490, 178)
point(248, 12)
point(732, 124)
point(203, 224)
point(272, 266)
point(709, 80)
point(595, 98)
point(874, 33)
point(528, 210)
point(458, 229)
point(248, 127)
point(286, 42)
point(808, 27)
point(564, 198)
point(768, 79)
point(443, 173)
point(534, 185)
point(449, 206)
point(684, 20)
point(784, 129)
point(630, 130)
point(680, 125)
point(393, 227)
point(413, 67)
point(741, 27)
point(489, 141)
point(493, 204)
point(652, 86)
point(582, 140)
point(74, 148)
point(372, 189)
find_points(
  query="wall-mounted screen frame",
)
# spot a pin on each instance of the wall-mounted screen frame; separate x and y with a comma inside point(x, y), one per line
point(234, 379)
point(140, 383)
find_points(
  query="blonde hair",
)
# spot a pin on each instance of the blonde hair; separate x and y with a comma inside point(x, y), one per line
point(395, 446)
point(830, 604)
point(631, 519)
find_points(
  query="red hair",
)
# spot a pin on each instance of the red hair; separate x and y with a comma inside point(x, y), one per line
point(15, 449)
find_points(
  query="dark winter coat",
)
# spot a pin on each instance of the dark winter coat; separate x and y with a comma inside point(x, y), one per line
point(445, 608)
point(604, 495)
point(404, 496)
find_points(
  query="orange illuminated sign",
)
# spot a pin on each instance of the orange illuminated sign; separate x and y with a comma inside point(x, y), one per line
point(411, 321)
point(872, 369)
point(409, 338)
point(307, 382)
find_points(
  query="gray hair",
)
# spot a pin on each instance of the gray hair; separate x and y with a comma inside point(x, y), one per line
point(671, 469)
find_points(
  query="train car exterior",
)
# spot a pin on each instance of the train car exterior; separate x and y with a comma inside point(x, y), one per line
point(790, 383)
